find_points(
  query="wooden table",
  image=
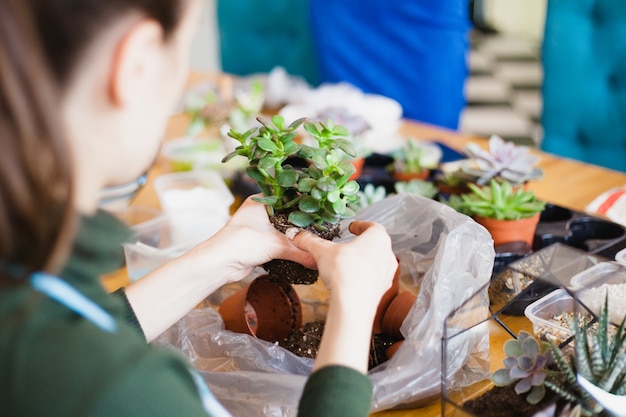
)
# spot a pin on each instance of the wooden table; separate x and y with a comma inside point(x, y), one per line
point(566, 183)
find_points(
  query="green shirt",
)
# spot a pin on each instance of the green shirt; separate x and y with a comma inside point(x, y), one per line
point(54, 362)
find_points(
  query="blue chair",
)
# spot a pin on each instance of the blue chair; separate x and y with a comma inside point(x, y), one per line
point(256, 36)
point(584, 89)
point(413, 51)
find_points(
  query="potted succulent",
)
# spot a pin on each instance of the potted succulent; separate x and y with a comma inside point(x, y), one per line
point(599, 364)
point(504, 161)
point(508, 214)
point(415, 160)
point(535, 376)
point(315, 197)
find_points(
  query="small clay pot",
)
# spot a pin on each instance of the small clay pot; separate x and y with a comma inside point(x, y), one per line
point(358, 166)
point(267, 308)
point(396, 313)
point(385, 300)
point(505, 231)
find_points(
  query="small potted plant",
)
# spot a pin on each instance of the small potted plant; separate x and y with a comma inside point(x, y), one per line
point(599, 364)
point(315, 197)
point(504, 161)
point(535, 376)
point(415, 160)
point(508, 214)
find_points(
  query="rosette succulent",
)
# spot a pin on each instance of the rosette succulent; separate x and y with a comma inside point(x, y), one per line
point(504, 160)
point(524, 367)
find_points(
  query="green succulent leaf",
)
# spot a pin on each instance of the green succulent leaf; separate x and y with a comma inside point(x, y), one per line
point(270, 200)
point(305, 185)
point(301, 219)
point(268, 162)
point(287, 178)
point(326, 184)
point(309, 205)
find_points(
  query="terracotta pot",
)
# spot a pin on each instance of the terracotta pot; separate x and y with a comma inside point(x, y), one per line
point(391, 350)
point(267, 308)
point(397, 312)
point(358, 166)
point(408, 176)
point(385, 300)
point(505, 231)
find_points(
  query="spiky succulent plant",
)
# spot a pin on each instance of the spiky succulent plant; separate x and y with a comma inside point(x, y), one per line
point(419, 187)
point(601, 357)
point(524, 367)
point(504, 160)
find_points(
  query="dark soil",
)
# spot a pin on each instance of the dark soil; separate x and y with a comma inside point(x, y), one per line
point(504, 402)
point(305, 342)
point(293, 272)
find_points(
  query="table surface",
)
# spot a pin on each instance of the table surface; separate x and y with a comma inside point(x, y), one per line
point(566, 183)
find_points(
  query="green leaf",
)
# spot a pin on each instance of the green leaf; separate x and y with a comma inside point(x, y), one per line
point(319, 162)
point(501, 378)
point(346, 146)
point(301, 219)
point(297, 123)
point(308, 204)
point(513, 348)
point(287, 178)
point(255, 174)
point(317, 194)
point(305, 185)
point(290, 148)
point(326, 184)
point(312, 129)
point(267, 145)
point(333, 196)
point(351, 188)
point(339, 206)
point(269, 200)
point(279, 121)
point(268, 162)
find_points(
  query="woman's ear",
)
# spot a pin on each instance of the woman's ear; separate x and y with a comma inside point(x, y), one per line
point(135, 63)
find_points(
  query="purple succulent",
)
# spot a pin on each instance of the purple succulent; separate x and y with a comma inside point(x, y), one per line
point(524, 367)
point(507, 160)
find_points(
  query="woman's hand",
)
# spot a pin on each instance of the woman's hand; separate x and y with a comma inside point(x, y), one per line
point(357, 273)
point(249, 239)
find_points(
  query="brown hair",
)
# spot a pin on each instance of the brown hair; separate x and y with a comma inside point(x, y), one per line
point(41, 42)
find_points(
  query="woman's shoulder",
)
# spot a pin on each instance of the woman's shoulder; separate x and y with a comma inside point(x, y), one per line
point(54, 360)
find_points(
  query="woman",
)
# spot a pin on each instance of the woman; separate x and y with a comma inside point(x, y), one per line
point(85, 90)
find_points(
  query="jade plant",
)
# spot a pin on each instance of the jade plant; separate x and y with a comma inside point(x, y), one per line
point(504, 161)
point(499, 200)
point(525, 367)
point(316, 196)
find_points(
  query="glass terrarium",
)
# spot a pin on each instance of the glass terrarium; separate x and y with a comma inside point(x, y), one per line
point(527, 295)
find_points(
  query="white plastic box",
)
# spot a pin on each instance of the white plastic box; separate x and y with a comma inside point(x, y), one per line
point(542, 312)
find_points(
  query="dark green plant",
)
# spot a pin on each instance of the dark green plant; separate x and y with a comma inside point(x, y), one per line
point(320, 192)
point(525, 367)
point(499, 200)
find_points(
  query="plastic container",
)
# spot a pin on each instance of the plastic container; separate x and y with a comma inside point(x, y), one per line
point(542, 312)
point(194, 190)
point(166, 237)
point(592, 286)
point(136, 215)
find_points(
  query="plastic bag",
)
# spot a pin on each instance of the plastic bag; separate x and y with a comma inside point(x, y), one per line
point(445, 258)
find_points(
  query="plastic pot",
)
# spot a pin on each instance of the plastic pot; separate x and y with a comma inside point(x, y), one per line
point(267, 308)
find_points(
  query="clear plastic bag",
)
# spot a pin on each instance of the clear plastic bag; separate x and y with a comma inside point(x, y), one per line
point(445, 258)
